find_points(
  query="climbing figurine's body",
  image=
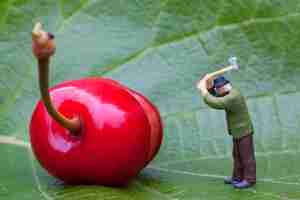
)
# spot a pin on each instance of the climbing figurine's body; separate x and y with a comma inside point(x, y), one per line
point(219, 94)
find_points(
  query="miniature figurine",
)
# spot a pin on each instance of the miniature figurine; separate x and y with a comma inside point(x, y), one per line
point(219, 94)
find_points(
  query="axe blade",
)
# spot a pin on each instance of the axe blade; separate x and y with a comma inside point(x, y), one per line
point(233, 62)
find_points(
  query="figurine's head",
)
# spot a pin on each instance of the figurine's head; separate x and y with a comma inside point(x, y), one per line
point(42, 42)
point(222, 86)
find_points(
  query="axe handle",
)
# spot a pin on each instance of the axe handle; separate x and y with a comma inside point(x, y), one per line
point(221, 71)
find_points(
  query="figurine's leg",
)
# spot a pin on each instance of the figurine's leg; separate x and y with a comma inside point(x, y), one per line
point(237, 162)
point(246, 149)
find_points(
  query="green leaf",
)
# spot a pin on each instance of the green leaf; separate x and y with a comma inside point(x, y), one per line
point(161, 48)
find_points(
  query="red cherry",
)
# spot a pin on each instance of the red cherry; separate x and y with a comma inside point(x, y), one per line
point(154, 120)
point(114, 143)
point(90, 131)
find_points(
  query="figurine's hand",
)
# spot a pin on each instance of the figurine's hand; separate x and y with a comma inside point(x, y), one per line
point(201, 85)
point(209, 83)
point(205, 83)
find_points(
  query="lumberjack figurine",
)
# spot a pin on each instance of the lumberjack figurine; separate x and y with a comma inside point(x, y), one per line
point(219, 94)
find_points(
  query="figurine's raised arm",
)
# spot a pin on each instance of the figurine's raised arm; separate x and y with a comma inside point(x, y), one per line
point(206, 82)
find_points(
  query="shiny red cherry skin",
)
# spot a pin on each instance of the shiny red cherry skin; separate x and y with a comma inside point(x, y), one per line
point(153, 115)
point(114, 143)
point(155, 121)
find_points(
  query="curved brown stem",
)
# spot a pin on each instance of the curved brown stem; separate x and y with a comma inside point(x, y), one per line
point(73, 125)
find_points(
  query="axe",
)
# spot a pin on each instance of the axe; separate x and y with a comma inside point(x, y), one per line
point(233, 65)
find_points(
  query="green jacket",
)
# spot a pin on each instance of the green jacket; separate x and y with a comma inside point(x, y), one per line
point(239, 123)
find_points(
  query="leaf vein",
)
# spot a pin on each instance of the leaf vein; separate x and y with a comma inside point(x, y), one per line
point(217, 176)
point(151, 190)
point(74, 14)
point(196, 34)
point(13, 141)
point(258, 154)
point(36, 178)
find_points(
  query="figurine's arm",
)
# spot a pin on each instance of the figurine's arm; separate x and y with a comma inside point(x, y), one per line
point(212, 101)
point(205, 84)
point(216, 102)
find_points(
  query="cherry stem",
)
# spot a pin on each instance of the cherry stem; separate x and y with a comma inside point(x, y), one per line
point(73, 125)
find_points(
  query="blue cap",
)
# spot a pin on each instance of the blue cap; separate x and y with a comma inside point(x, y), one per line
point(220, 82)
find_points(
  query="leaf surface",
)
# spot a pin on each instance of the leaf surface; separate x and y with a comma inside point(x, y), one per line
point(161, 48)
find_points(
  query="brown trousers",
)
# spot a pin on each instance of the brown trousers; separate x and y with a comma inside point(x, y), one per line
point(244, 165)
